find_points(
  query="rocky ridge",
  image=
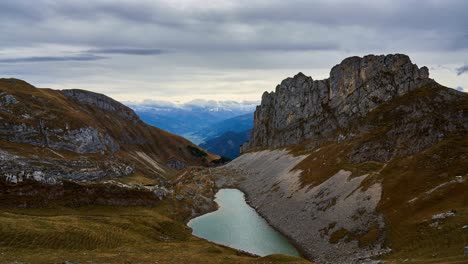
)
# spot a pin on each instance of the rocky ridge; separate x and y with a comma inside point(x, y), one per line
point(51, 135)
point(346, 165)
point(305, 109)
point(103, 102)
point(308, 216)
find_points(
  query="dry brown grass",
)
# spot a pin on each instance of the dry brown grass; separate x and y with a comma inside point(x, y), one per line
point(58, 112)
point(403, 178)
point(137, 179)
point(109, 235)
point(328, 159)
point(408, 223)
point(338, 235)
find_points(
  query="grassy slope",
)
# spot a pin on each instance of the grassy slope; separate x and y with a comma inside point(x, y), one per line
point(109, 235)
point(408, 229)
point(58, 111)
point(103, 234)
point(106, 234)
point(408, 223)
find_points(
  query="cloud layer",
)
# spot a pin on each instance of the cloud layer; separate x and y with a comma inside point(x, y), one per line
point(84, 57)
point(127, 51)
point(223, 49)
point(462, 70)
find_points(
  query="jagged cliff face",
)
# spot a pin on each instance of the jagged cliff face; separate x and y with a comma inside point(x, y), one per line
point(103, 102)
point(362, 163)
point(302, 109)
point(48, 135)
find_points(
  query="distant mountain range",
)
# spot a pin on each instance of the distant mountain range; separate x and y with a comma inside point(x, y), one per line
point(228, 144)
point(218, 126)
point(235, 124)
point(198, 120)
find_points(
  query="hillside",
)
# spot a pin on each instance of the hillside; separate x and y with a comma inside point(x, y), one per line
point(74, 134)
point(235, 124)
point(224, 138)
point(83, 179)
point(228, 144)
point(369, 163)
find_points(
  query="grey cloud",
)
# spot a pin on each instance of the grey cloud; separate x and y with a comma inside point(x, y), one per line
point(410, 13)
point(128, 51)
point(196, 104)
point(52, 59)
point(19, 10)
point(459, 88)
point(233, 47)
point(155, 12)
point(247, 25)
point(462, 69)
point(319, 46)
point(151, 102)
point(429, 15)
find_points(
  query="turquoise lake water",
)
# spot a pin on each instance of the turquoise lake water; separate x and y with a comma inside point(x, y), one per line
point(235, 224)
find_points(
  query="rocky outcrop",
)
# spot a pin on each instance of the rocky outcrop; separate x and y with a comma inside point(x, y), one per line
point(310, 217)
point(49, 135)
point(303, 109)
point(332, 163)
point(15, 169)
point(103, 102)
point(35, 194)
point(83, 140)
point(176, 164)
point(6, 100)
point(410, 125)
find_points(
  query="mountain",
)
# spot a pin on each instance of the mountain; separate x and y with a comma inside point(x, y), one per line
point(235, 124)
point(84, 179)
point(49, 135)
point(228, 144)
point(371, 162)
point(368, 165)
point(224, 138)
point(193, 120)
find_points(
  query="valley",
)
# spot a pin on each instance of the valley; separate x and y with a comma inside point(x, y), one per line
point(217, 127)
point(110, 222)
point(369, 165)
point(233, 132)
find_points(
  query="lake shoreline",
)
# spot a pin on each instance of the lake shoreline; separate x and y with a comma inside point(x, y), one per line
point(233, 203)
point(228, 177)
point(289, 238)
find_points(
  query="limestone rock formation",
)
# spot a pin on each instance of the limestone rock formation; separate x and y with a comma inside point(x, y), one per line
point(103, 102)
point(305, 109)
point(346, 165)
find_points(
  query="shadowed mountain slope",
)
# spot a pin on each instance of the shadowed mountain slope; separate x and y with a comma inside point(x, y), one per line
point(49, 134)
point(370, 161)
point(228, 144)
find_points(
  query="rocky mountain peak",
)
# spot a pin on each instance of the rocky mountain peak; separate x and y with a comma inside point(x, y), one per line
point(375, 144)
point(302, 108)
point(16, 83)
point(353, 72)
point(101, 101)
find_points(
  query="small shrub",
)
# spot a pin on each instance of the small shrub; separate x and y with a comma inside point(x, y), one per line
point(196, 151)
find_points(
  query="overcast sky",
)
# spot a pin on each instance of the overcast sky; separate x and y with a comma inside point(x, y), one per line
point(179, 50)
